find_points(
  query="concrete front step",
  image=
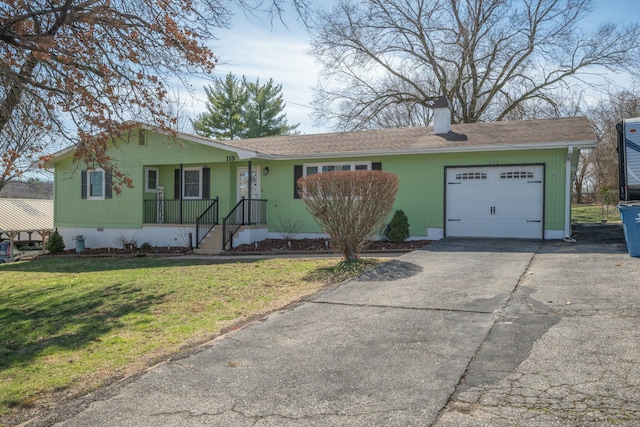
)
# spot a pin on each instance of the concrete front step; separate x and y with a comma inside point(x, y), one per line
point(212, 243)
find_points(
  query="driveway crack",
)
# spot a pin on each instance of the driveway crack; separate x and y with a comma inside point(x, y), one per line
point(497, 320)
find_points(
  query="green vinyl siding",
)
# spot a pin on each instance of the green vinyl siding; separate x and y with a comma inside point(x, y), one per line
point(123, 211)
point(126, 210)
point(421, 193)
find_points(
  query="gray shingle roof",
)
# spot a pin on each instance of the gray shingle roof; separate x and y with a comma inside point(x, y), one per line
point(515, 134)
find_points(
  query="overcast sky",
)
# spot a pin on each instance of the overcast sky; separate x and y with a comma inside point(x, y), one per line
point(256, 49)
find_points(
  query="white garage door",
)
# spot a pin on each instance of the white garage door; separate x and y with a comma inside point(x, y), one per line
point(500, 201)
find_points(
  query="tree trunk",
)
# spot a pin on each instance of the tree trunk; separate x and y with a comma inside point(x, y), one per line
point(14, 95)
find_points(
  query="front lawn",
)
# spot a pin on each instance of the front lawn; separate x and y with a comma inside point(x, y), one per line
point(70, 325)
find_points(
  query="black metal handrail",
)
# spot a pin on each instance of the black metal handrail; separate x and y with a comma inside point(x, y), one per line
point(245, 212)
point(206, 221)
point(174, 211)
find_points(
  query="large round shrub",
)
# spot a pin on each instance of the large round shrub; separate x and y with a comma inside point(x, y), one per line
point(349, 206)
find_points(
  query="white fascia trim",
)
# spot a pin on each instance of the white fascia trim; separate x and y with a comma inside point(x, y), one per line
point(242, 154)
point(438, 150)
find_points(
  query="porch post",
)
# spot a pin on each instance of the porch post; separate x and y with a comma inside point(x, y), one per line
point(249, 191)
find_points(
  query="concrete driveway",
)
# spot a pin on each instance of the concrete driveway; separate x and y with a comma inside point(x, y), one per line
point(461, 333)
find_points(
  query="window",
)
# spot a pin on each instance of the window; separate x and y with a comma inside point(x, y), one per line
point(312, 169)
point(95, 179)
point(471, 175)
point(95, 184)
point(151, 180)
point(305, 170)
point(516, 175)
point(192, 183)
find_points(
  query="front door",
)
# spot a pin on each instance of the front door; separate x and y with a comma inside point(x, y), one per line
point(243, 192)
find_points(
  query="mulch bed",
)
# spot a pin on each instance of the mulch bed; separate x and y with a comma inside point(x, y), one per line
point(106, 252)
point(320, 246)
point(267, 246)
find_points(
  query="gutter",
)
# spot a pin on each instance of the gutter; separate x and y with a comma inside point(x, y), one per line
point(434, 150)
point(567, 205)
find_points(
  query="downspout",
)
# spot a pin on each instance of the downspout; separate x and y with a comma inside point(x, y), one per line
point(249, 191)
point(567, 203)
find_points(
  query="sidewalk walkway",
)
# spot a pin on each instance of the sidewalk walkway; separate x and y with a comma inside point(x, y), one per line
point(462, 333)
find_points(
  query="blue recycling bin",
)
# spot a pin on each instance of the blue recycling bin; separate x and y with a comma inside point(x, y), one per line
point(630, 215)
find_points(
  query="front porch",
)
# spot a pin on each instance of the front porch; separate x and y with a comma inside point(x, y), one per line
point(204, 216)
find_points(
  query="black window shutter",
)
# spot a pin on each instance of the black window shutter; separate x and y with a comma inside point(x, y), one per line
point(176, 184)
point(206, 181)
point(376, 166)
point(297, 174)
point(108, 181)
point(83, 187)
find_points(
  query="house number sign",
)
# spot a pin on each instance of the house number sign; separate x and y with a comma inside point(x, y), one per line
point(231, 158)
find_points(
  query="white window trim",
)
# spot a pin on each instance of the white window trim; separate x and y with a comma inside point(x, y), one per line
point(89, 196)
point(146, 180)
point(320, 166)
point(184, 196)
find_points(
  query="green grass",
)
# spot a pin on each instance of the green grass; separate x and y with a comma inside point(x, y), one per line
point(70, 325)
point(591, 213)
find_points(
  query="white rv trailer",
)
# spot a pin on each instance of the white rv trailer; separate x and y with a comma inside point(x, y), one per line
point(629, 159)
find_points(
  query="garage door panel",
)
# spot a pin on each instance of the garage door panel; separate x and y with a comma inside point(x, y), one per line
point(468, 228)
point(471, 212)
point(500, 201)
point(516, 230)
point(471, 193)
point(523, 212)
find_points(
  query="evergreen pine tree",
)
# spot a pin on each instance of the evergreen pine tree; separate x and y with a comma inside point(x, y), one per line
point(263, 114)
point(241, 109)
point(399, 227)
point(224, 118)
point(55, 244)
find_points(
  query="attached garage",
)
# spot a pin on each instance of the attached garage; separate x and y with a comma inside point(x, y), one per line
point(495, 201)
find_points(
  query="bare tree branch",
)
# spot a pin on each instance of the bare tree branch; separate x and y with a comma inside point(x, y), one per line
point(488, 57)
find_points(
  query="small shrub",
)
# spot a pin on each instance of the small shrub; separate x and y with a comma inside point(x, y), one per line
point(146, 246)
point(55, 244)
point(288, 227)
point(399, 227)
point(128, 243)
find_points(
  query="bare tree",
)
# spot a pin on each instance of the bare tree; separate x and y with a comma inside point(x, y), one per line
point(492, 59)
point(350, 206)
point(584, 178)
point(604, 116)
point(88, 66)
point(27, 137)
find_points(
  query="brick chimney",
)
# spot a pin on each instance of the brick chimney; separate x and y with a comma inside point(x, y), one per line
point(441, 116)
